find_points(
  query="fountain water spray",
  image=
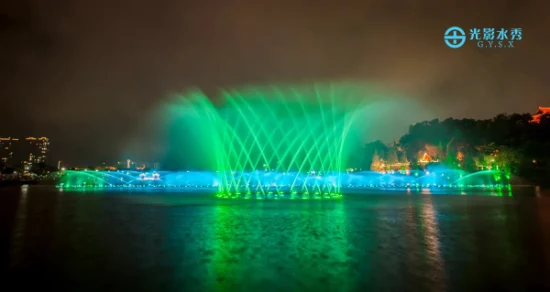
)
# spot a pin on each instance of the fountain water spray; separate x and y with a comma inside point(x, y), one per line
point(271, 142)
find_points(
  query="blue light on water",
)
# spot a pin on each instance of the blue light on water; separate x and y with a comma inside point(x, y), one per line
point(269, 183)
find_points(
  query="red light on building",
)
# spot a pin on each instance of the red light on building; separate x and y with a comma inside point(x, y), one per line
point(542, 111)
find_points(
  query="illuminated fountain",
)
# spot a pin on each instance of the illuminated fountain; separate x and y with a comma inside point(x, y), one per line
point(291, 142)
point(137, 179)
point(273, 142)
point(281, 184)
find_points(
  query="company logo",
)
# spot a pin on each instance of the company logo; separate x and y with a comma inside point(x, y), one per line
point(455, 37)
point(486, 38)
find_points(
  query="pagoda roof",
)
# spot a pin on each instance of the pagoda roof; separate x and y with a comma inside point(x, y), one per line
point(542, 111)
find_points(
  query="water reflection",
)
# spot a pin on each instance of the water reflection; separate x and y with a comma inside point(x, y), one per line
point(543, 217)
point(269, 244)
point(379, 242)
point(431, 237)
point(19, 229)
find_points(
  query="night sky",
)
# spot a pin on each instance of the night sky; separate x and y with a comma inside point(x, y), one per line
point(90, 73)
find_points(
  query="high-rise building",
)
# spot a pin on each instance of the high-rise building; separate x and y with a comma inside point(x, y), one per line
point(34, 150)
point(7, 146)
point(23, 152)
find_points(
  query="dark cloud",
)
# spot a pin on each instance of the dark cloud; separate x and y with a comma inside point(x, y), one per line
point(89, 73)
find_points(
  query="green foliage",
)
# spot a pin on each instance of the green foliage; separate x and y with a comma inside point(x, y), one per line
point(391, 156)
point(375, 164)
point(376, 148)
point(402, 157)
point(506, 142)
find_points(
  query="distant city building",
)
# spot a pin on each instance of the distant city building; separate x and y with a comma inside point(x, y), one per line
point(24, 152)
point(35, 149)
point(542, 111)
point(7, 146)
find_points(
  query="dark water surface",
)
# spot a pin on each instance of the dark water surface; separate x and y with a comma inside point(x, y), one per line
point(185, 242)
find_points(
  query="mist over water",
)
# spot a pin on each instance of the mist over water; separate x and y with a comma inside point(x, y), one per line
point(181, 124)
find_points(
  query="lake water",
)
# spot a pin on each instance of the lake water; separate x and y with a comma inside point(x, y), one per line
point(170, 241)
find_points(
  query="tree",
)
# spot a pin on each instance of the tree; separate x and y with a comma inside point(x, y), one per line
point(432, 151)
point(375, 165)
point(376, 147)
point(508, 159)
point(451, 156)
point(402, 157)
point(470, 163)
point(512, 143)
point(391, 156)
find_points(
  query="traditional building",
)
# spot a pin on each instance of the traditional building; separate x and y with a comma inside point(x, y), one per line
point(424, 158)
point(542, 111)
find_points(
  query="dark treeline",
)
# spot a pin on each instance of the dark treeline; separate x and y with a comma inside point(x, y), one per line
point(512, 143)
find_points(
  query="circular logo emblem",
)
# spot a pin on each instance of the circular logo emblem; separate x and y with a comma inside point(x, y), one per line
point(455, 37)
